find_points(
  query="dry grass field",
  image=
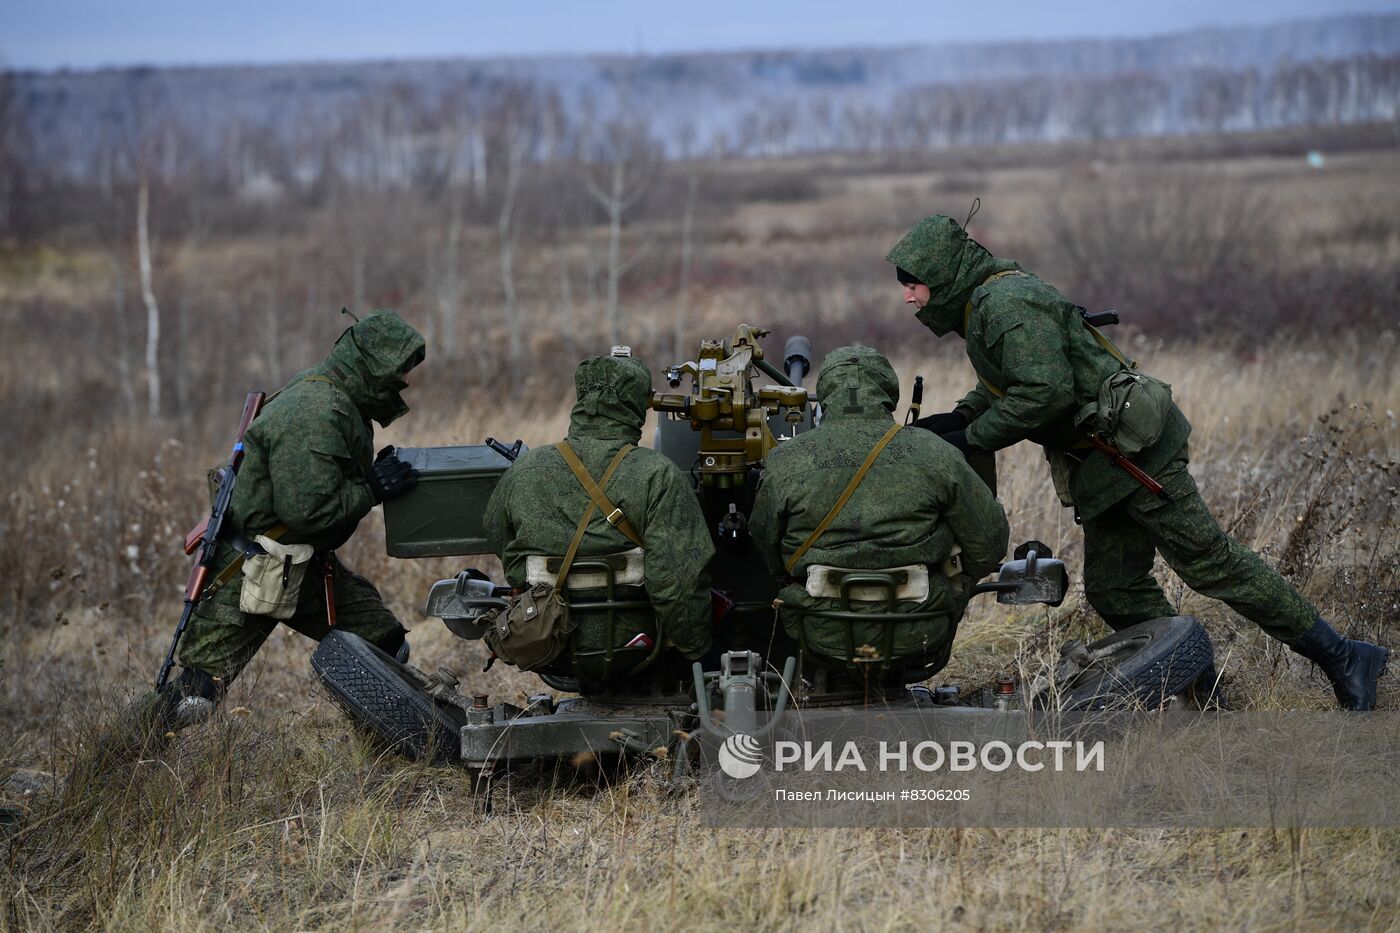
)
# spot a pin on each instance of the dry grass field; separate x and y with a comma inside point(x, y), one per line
point(277, 815)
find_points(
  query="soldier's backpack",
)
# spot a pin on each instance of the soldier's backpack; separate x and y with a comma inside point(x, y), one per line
point(534, 627)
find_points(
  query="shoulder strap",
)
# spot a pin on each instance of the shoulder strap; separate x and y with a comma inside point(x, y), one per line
point(1098, 335)
point(844, 498)
point(1108, 345)
point(599, 500)
point(225, 575)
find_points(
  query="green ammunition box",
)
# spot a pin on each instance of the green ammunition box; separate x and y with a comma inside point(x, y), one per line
point(442, 515)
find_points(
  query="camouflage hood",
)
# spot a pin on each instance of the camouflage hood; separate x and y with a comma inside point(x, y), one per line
point(857, 382)
point(613, 395)
point(940, 254)
point(368, 362)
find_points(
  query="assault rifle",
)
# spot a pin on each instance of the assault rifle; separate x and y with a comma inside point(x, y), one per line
point(205, 538)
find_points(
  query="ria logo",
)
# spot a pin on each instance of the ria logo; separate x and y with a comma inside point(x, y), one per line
point(740, 756)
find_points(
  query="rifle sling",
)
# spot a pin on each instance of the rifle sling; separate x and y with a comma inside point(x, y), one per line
point(1098, 334)
point(236, 564)
point(597, 500)
point(844, 497)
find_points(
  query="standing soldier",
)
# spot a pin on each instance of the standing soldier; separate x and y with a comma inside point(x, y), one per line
point(1042, 369)
point(911, 509)
point(542, 514)
point(308, 476)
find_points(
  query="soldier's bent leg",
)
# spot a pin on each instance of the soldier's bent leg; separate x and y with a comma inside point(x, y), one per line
point(221, 640)
point(1118, 581)
point(359, 609)
point(1216, 565)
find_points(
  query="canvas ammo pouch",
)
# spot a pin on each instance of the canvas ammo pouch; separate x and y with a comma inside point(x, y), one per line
point(272, 580)
point(533, 628)
point(1130, 413)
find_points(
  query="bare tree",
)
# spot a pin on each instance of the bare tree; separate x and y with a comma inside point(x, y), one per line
point(148, 295)
point(626, 160)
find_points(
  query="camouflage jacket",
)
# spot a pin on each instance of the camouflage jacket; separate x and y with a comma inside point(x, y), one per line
point(1028, 342)
point(536, 507)
point(919, 499)
point(309, 453)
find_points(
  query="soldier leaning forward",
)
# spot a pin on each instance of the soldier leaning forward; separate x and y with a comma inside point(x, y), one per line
point(1047, 376)
point(642, 521)
point(308, 476)
point(918, 511)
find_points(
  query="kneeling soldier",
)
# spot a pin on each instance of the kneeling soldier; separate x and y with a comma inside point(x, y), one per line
point(604, 520)
point(308, 476)
point(859, 497)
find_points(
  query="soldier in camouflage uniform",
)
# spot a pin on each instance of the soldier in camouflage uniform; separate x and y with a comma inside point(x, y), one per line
point(1038, 363)
point(536, 507)
point(309, 465)
point(919, 504)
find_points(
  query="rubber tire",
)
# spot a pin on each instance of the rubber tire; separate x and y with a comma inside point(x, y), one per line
point(1175, 654)
point(378, 695)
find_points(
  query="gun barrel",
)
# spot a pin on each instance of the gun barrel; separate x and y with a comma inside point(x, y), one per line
point(797, 358)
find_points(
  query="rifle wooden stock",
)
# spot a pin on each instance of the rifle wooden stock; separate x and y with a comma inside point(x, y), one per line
point(1129, 467)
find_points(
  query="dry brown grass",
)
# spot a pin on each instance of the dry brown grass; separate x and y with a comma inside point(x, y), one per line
point(284, 818)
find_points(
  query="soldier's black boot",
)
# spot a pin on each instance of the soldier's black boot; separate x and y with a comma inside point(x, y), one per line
point(1353, 666)
point(396, 646)
point(198, 694)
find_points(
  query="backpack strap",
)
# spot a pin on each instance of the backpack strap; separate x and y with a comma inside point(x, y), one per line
point(598, 500)
point(1098, 334)
point(844, 497)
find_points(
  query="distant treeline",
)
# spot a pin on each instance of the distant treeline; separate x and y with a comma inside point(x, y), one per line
point(297, 130)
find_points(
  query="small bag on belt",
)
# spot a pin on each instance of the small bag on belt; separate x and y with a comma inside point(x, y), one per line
point(534, 627)
point(272, 580)
point(1130, 412)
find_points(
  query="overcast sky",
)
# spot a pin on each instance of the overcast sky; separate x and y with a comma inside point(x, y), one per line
point(92, 33)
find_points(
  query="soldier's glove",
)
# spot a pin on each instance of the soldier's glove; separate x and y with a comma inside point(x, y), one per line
point(943, 423)
point(959, 440)
point(391, 476)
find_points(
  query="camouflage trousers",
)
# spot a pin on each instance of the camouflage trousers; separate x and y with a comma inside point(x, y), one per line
point(221, 639)
point(1121, 543)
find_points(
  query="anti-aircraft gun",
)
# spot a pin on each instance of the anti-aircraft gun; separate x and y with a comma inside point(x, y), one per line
point(738, 408)
point(721, 415)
